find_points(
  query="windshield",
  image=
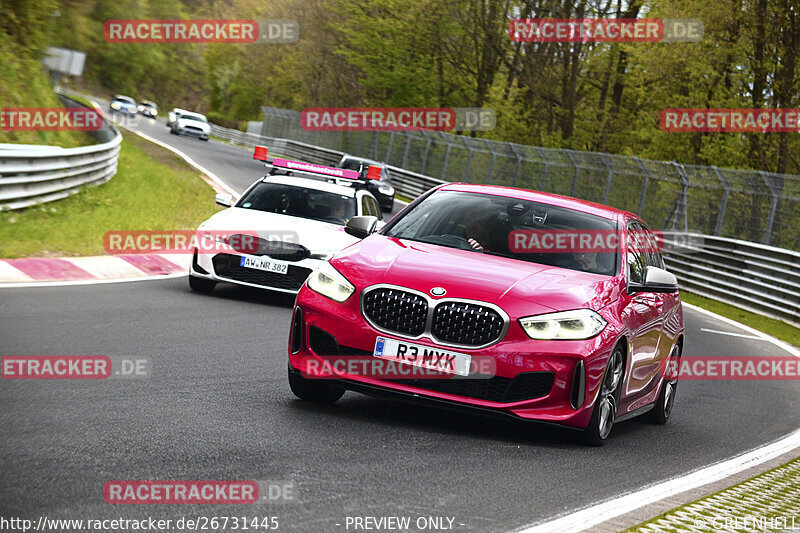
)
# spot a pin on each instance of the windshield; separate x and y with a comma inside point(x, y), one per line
point(148, 104)
point(125, 100)
point(193, 116)
point(483, 223)
point(300, 202)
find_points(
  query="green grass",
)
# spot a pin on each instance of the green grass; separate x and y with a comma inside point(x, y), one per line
point(153, 190)
point(26, 84)
point(770, 326)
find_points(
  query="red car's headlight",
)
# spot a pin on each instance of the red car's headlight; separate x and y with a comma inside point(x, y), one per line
point(577, 324)
point(327, 281)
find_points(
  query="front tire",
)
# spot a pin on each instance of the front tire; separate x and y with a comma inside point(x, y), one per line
point(605, 407)
point(659, 414)
point(201, 284)
point(310, 390)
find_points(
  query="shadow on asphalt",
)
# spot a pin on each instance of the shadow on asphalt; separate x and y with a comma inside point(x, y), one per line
point(231, 292)
point(398, 414)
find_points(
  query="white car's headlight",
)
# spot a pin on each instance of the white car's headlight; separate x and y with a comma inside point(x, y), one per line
point(115, 105)
point(564, 325)
point(327, 281)
point(388, 190)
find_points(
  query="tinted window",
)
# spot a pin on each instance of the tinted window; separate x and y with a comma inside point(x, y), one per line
point(193, 116)
point(299, 202)
point(452, 219)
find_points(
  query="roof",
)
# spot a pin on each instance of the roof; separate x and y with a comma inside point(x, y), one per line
point(310, 183)
point(584, 206)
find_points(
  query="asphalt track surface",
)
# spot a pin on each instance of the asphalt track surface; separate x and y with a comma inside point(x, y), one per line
point(217, 407)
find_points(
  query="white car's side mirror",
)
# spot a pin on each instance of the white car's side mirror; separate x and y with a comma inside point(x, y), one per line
point(224, 199)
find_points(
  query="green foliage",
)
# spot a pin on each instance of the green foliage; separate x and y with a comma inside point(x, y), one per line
point(588, 96)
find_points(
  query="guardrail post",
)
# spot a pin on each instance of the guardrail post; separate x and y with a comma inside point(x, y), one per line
point(607, 163)
point(574, 177)
point(546, 168)
point(518, 165)
point(469, 160)
point(389, 148)
point(644, 185)
point(491, 162)
point(404, 164)
point(682, 201)
point(773, 207)
point(446, 157)
point(428, 141)
point(726, 192)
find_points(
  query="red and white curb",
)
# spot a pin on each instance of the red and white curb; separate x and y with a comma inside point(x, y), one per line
point(36, 270)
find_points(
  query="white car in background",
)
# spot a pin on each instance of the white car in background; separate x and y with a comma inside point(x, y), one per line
point(188, 123)
point(299, 218)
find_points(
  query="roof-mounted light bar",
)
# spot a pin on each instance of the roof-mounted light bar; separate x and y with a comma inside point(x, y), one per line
point(315, 169)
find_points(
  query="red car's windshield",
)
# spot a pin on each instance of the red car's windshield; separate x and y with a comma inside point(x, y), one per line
point(483, 223)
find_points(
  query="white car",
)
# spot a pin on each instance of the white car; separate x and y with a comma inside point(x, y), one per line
point(300, 224)
point(188, 123)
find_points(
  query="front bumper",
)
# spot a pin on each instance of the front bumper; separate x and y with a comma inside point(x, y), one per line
point(192, 132)
point(224, 267)
point(522, 366)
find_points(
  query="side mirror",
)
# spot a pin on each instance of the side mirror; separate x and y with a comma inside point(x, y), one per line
point(657, 280)
point(361, 226)
point(224, 199)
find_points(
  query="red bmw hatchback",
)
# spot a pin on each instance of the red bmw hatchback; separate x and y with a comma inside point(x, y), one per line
point(505, 301)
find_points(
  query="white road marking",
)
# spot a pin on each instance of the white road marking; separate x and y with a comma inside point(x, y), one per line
point(23, 285)
point(216, 179)
point(583, 519)
point(597, 514)
point(718, 332)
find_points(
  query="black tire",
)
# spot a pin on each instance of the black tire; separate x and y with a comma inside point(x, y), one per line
point(659, 414)
point(317, 391)
point(605, 406)
point(201, 284)
point(202, 139)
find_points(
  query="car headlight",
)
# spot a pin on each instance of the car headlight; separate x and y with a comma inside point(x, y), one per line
point(565, 325)
point(327, 281)
point(115, 105)
point(388, 190)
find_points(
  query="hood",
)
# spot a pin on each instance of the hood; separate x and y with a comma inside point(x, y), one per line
point(196, 123)
point(317, 236)
point(519, 287)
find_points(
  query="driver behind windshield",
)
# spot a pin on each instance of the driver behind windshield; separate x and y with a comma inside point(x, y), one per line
point(479, 232)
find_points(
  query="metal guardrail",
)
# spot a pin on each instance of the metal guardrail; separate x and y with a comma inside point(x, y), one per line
point(756, 277)
point(749, 205)
point(32, 174)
